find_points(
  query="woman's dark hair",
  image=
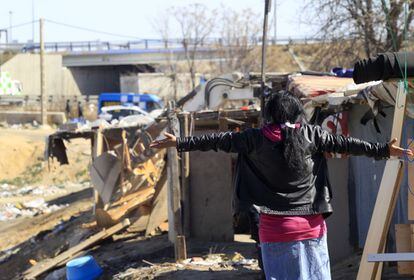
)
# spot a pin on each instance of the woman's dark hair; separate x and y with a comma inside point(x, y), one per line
point(283, 107)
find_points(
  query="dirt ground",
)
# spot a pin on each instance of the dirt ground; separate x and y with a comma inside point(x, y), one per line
point(25, 177)
point(22, 160)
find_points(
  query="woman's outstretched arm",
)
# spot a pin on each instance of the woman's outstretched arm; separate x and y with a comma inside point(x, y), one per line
point(327, 142)
point(231, 142)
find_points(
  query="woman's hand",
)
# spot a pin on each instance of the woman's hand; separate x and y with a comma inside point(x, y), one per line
point(168, 142)
point(396, 151)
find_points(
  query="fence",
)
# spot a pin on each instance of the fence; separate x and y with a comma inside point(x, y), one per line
point(54, 102)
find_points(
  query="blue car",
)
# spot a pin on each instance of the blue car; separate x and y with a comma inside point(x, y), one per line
point(145, 101)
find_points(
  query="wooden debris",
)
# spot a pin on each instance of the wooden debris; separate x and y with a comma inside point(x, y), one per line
point(126, 156)
point(163, 227)
point(147, 170)
point(149, 263)
point(90, 225)
point(159, 211)
point(114, 215)
point(45, 266)
point(143, 213)
point(105, 172)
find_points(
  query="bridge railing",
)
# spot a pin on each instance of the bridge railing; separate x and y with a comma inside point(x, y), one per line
point(90, 46)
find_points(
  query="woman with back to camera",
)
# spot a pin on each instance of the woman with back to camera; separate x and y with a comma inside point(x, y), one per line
point(280, 172)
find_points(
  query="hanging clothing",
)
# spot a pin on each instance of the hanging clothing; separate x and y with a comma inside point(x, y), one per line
point(390, 65)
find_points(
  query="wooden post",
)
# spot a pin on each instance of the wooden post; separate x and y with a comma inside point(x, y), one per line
point(386, 199)
point(175, 227)
point(412, 245)
point(403, 245)
point(410, 195)
point(43, 99)
point(181, 248)
point(223, 123)
point(185, 176)
point(97, 151)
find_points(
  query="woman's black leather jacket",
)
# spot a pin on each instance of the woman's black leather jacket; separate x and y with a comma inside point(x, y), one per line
point(264, 178)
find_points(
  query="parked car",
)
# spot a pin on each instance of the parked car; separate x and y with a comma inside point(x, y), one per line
point(145, 101)
point(125, 115)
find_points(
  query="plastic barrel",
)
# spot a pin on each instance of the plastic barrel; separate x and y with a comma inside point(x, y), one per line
point(83, 268)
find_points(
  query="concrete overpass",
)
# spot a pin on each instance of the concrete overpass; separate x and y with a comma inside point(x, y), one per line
point(134, 57)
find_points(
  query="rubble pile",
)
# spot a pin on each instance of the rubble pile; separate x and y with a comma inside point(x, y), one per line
point(29, 201)
point(208, 263)
point(10, 211)
point(129, 181)
point(8, 190)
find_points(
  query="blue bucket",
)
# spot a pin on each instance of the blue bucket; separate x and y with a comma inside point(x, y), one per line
point(83, 268)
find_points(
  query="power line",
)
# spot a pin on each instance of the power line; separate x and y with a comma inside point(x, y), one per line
point(21, 24)
point(90, 30)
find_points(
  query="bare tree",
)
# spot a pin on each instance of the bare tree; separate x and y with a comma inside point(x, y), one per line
point(238, 31)
point(196, 23)
point(162, 26)
point(374, 25)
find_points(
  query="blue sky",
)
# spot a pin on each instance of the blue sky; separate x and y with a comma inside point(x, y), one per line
point(126, 17)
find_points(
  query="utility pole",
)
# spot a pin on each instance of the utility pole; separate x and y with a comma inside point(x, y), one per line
point(264, 46)
point(33, 21)
point(43, 101)
point(10, 26)
point(275, 19)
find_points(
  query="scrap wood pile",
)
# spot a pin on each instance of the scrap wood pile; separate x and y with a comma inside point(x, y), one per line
point(129, 181)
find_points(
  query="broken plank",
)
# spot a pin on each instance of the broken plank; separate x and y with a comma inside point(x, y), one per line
point(112, 216)
point(126, 198)
point(142, 196)
point(43, 267)
point(140, 224)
